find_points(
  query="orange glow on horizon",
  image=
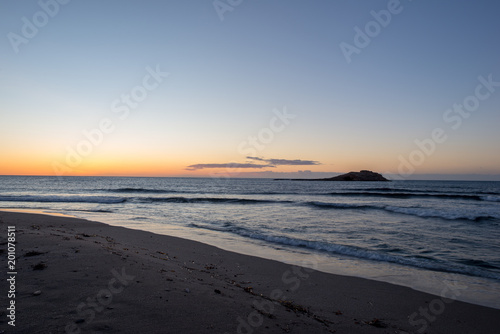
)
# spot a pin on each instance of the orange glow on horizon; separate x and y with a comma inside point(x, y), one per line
point(17, 162)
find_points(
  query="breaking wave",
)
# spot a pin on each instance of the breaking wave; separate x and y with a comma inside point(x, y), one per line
point(357, 252)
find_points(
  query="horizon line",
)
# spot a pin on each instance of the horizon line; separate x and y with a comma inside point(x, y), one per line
point(395, 177)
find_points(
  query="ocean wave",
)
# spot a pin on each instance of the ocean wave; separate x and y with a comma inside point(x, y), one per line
point(491, 198)
point(63, 199)
point(387, 189)
point(97, 210)
point(449, 215)
point(399, 194)
point(215, 200)
point(412, 211)
point(199, 191)
point(412, 190)
point(353, 251)
point(323, 205)
point(373, 192)
point(143, 190)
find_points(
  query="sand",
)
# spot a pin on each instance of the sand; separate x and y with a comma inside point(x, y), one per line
point(78, 276)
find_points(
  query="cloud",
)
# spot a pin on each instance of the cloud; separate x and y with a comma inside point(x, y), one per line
point(265, 163)
point(226, 165)
point(276, 175)
point(286, 162)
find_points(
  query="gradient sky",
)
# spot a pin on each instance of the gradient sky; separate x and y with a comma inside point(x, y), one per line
point(234, 71)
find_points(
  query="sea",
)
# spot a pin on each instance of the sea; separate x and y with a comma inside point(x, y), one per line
point(432, 236)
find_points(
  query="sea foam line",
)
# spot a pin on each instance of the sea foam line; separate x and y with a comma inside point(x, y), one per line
point(63, 199)
point(357, 252)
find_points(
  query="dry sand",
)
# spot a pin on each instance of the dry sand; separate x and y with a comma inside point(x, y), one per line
point(80, 276)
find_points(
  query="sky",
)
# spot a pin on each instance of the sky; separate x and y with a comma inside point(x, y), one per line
point(250, 88)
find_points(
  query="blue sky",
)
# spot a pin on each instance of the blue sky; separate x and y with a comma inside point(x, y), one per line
point(225, 78)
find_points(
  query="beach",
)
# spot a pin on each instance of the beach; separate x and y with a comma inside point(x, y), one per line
point(235, 166)
point(74, 275)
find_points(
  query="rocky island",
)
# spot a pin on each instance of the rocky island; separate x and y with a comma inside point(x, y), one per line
point(363, 175)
